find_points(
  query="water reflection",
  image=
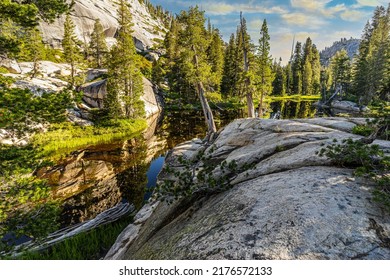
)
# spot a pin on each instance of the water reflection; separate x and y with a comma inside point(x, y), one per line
point(292, 109)
point(99, 177)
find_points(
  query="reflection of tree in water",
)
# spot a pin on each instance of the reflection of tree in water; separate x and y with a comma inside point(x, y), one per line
point(180, 126)
point(293, 109)
point(132, 180)
point(306, 110)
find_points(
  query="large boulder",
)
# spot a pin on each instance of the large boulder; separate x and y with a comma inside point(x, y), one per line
point(10, 65)
point(94, 94)
point(343, 106)
point(291, 203)
point(84, 13)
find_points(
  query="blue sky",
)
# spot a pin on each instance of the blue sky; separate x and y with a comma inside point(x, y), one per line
point(325, 21)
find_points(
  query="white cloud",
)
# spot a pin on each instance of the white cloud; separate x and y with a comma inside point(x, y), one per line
point(309, 4)
point(354, 15)
point(304, 20)
point(372, 3)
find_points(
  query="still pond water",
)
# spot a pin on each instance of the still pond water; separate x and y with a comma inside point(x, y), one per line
point(99, 177)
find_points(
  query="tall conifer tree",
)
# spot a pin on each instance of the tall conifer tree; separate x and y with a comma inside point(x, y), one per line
point(265, 75)
point(229, 78)
point(193, 58)
point(70, 46)
point(98, 46)
point(296, 68)
point(125, 85)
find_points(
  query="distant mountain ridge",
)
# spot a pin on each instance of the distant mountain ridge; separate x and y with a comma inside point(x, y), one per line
point(351, 46)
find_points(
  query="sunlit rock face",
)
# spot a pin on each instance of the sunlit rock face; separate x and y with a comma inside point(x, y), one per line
point(94, 94)
point(85, 12)
point(293, 204)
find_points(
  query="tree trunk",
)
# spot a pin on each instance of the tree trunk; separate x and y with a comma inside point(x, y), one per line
point(261, 105)
point(249, 96)
point(208, 114)
point(251, 107)
point(206, 110)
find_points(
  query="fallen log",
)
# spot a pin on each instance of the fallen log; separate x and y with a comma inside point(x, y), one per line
point(109, 216)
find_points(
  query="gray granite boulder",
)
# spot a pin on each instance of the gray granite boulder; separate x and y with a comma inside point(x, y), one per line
point(291, 203)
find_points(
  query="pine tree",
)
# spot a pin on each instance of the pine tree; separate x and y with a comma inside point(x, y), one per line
point(70, 46)
point(98, 47)
point(216, 57)
point(361, 67)
point(264, 74)
point(172, 70)
point(193, 58)
point(307, 72)
point(280, 82)
point(341, 69)
point(32, 49)
point(229, 77)
point(316, 70)
point(125, 84)
point(380, 51)
point(296, 68)
point(371, 78)
point(246, 80)
point(25, 15)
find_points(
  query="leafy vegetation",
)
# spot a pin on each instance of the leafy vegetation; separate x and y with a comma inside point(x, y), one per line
point(369, 161)
point(21, 111)
point(17, 17)
point(125, 85)
point(198, 176)
point(98, 47)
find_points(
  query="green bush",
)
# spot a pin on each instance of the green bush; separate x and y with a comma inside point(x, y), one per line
point(363, 130)
point(197, 177)
point(21, 110)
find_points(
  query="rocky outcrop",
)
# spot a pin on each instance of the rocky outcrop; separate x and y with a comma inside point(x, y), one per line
point(49, 78)
point(285, 201)
point(146, 28)
point(351, 46)
point(94, 94)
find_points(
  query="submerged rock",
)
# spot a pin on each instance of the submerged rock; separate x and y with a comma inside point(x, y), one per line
point(292, 204)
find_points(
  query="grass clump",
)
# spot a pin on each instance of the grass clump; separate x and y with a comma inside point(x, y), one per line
point(64, 138)
point(92, 245)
